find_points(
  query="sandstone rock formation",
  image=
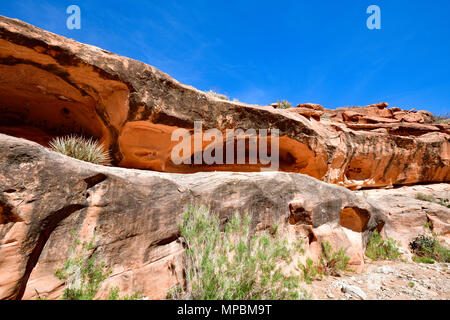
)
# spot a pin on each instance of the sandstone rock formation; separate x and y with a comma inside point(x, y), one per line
point(135, 214)
point(51, 85)
point(406, 215)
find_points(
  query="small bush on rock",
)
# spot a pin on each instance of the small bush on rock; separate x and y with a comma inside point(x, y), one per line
point(81, 148)
point(83, 275)
point(428, 249)
point(430, 198)
point(382, 249)
point(331, 263)
point(425, 197)
point(441, 119)
point(233, 265)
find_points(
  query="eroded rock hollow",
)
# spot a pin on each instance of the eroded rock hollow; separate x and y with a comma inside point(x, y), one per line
point(51, 85)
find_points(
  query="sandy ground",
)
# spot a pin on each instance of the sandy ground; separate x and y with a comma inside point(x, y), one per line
point(386, 280)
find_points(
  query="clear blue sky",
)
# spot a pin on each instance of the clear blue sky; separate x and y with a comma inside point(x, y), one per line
point(263, 51)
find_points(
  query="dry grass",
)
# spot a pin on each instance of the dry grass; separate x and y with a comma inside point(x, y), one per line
point(80, 148)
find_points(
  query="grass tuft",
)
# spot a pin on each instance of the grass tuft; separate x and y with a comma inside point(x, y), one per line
point(80, 148)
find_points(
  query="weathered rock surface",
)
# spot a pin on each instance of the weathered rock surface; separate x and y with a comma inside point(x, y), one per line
point(407, 215)
point(57, 86)
point(135, 214)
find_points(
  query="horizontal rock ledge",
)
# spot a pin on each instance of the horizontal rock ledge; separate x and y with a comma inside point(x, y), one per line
point(52, 86)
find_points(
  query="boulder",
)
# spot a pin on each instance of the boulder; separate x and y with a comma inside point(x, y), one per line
point(407, 215)
point(48, 200)
point(313, 106)
point(412, 117)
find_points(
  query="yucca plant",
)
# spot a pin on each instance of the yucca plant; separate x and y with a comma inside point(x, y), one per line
point(80, 148)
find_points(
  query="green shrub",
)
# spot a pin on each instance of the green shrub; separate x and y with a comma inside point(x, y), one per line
point(233, 265)
point(331, 263)
point(382, 249)
point(114, 294)
point(425, 197)
point(444, 202)
point(430, 198)
point(418, 259)
point(428, 248)
point(81, 148)
point(311, 270)
point(83, 275)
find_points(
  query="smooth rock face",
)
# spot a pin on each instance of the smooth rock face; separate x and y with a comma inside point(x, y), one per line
point(45, 197)
point(57, 86)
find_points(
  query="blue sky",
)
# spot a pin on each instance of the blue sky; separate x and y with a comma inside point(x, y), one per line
point(263, 51)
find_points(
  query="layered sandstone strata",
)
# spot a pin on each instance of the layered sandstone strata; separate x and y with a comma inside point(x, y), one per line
point(51, 85)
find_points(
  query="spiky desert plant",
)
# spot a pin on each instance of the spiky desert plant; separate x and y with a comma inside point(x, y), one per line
point(284, 104)
point(80, 148)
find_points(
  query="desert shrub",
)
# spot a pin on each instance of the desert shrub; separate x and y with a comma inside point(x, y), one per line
point(311, 270)
point(233, 265)
point(331, 263)
point(83, 275)
point(430, 198)
point(284, 104)
point(218, 95)
point(444, 202)
point(382, 249)
point(427, 248)
point(80, 148)
point(332, 260)
point(425, 197)
point(441, 119)
point(114, 294)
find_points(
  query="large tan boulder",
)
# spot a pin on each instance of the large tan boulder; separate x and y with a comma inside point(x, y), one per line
point(48, 200)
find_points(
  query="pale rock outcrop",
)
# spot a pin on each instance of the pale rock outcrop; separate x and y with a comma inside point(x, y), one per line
point(406, 215)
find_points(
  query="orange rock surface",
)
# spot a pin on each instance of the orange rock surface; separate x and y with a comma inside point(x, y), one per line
point(57, 86)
